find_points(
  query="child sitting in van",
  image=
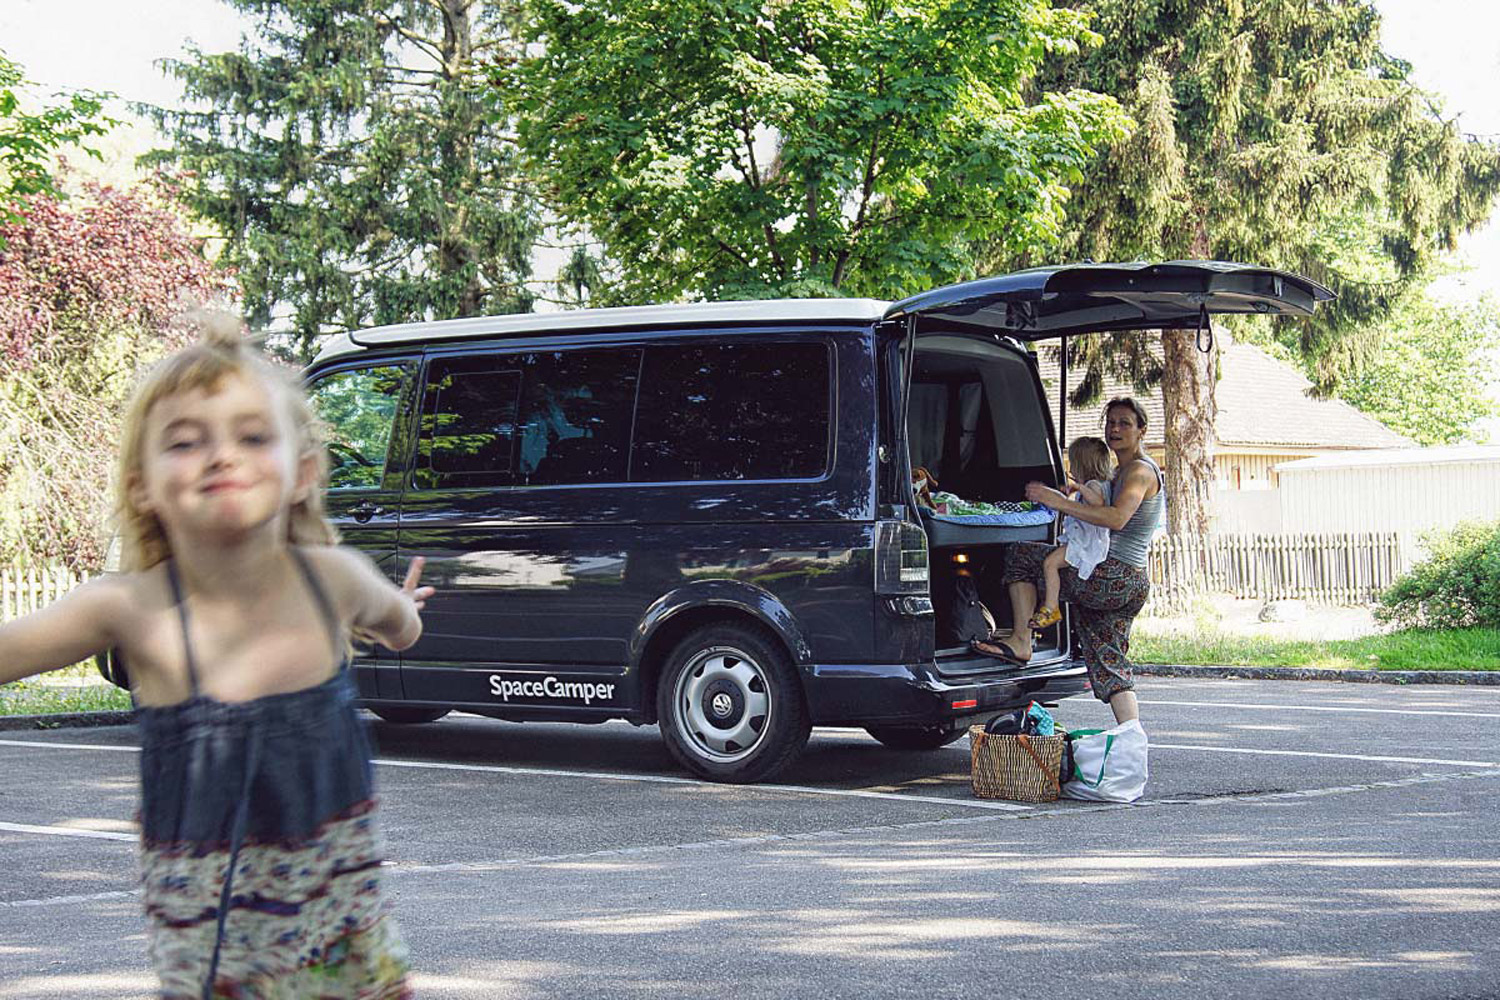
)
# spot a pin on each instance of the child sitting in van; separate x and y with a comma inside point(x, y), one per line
point(1084, 545)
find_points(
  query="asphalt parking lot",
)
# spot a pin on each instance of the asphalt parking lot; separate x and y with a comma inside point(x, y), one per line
point(1297, 840)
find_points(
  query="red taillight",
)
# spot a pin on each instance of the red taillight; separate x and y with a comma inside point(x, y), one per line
point(967, 703)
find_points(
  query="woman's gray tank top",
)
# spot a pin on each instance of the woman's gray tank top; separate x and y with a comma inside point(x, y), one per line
point(1130, 543)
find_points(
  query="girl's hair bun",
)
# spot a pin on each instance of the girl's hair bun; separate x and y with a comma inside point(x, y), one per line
point(219, 329)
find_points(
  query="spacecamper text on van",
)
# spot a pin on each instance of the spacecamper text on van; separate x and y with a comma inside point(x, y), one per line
point(550, 687)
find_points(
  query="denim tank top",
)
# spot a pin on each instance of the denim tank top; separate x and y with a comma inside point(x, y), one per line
point(1130, 543)
point(282, 769)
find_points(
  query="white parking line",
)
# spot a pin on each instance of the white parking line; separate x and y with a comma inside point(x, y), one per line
point(1324, 708)
point(1332, 756)
point(69, 746)
point(66, 831)
point(661, 779)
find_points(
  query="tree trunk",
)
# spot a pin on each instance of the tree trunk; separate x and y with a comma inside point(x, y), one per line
point(456, 251)
point(1190, 411)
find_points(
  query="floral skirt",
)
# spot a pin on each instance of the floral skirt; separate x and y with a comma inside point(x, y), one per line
point(1104, 607)
point(261, 855)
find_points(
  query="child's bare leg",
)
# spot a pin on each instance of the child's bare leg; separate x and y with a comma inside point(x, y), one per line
point(1052, 565)
point(1052, 575)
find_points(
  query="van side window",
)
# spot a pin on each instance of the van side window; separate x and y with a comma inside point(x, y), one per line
point(732, 411)
point(468, 431)
point(547, 418)
point(575, 416)
point(359, 407)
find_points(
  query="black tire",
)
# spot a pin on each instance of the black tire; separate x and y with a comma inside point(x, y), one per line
point(730, 704)
point(408, 715)
point(915, 739)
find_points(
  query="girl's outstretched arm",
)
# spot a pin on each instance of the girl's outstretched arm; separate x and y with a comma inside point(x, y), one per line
point(71, 628)
point(383, 611)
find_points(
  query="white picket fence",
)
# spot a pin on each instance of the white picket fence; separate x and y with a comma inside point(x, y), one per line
point(1329, 568)
point(25, 590)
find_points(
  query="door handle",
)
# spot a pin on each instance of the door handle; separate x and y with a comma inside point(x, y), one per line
point(365, 510)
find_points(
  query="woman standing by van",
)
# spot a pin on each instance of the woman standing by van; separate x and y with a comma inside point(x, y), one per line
point(1104, 605)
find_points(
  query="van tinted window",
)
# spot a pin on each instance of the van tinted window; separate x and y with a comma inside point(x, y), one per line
point(575, 416)
point(358, 405)
point(538, 419)
point(732, 411)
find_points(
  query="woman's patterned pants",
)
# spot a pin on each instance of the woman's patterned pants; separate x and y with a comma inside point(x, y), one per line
point(1104, 606)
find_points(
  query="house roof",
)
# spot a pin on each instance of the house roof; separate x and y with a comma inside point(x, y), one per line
point(1486, 454)
point(1262, 402)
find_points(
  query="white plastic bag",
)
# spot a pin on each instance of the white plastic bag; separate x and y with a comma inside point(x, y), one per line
point(1109, 765)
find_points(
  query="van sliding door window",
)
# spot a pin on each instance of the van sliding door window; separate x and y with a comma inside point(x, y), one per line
point(468, 424)
point(732, 411)
point(358, 406)
point(553, 418)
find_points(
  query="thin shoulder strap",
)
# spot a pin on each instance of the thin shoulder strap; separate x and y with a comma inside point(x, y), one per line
point(1161, 477)
point(325, 606)
point(187, 643)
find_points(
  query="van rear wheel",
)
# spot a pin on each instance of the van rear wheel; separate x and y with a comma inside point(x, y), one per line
point(408, 715)
point(914, 739)
point(730, 704)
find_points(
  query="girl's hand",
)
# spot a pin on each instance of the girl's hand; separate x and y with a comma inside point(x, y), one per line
point(418, 595)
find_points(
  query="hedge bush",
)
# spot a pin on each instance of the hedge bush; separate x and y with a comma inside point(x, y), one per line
point(1457, 586)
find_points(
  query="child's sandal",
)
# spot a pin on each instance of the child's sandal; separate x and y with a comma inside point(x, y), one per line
point(1045, 616)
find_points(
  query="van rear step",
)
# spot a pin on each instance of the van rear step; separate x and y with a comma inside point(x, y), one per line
point(960, 661)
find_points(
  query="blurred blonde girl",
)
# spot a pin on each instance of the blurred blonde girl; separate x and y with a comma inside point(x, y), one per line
point(260, 851)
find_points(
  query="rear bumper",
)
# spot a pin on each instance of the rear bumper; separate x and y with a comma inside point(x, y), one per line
point(917, 695)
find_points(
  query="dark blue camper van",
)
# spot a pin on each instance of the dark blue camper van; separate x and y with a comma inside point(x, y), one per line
point(701, 516)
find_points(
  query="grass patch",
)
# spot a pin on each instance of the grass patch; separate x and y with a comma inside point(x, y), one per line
point(78, 688)
point(1411, 649)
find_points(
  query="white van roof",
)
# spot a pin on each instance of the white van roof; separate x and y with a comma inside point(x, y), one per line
point(583, 320)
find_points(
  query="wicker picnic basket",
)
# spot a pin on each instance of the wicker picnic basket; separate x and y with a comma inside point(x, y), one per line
point(1016, 767)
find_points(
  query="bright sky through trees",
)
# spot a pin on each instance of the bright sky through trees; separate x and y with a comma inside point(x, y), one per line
point(1454, 46)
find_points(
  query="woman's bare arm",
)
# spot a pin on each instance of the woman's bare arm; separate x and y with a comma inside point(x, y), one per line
point(1134, 484)
point(70, 629)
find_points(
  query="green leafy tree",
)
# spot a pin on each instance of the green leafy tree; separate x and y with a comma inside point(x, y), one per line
point(1271, 132)
point(1428, 378)
point(347, 153)
point(739, 148)
point(29, 143)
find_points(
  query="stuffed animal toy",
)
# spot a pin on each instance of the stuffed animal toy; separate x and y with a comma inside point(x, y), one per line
point(922, 483)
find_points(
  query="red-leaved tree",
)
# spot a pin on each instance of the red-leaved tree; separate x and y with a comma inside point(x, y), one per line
point(91, 289)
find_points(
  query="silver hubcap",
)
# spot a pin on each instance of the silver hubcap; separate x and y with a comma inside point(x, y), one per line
point(722, 702)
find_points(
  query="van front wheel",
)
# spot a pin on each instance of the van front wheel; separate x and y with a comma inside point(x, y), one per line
point(730, 704)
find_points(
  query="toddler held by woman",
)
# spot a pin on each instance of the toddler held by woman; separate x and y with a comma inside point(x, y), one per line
point(1084, 545)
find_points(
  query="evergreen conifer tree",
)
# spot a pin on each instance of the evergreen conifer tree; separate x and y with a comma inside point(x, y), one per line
point(348, 153)
point(1273, 132)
